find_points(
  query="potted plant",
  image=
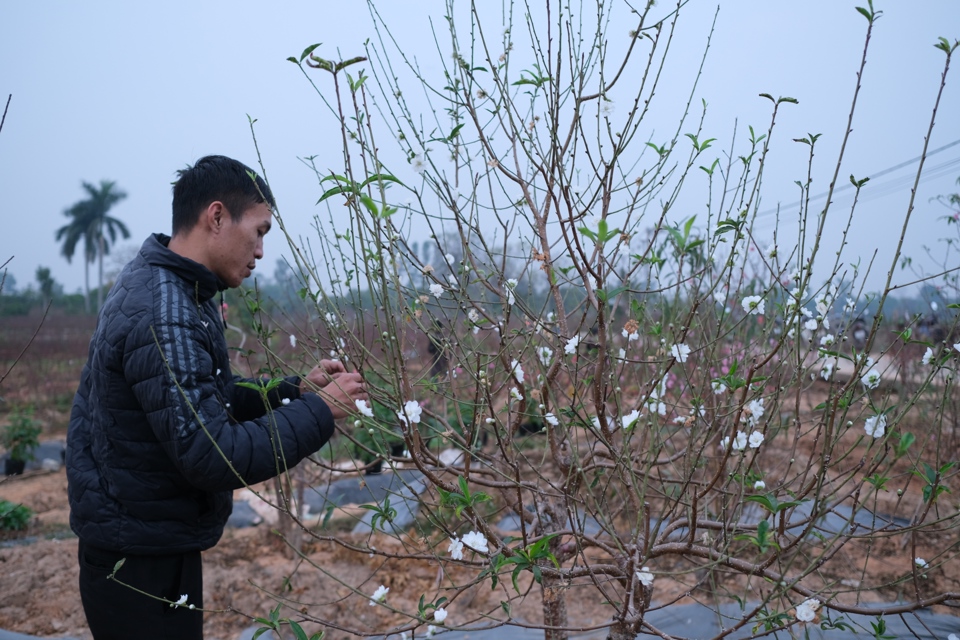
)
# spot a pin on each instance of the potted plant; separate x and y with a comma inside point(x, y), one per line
point(19, 438)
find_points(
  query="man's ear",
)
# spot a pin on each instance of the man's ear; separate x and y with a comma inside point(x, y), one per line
point(213, 217)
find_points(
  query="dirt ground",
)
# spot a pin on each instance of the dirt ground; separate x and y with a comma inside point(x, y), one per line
point(38, 576)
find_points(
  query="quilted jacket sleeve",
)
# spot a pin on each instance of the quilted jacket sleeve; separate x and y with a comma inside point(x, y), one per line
point(170, 366)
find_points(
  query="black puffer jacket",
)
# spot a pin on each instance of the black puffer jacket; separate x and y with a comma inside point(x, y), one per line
point(160, 432)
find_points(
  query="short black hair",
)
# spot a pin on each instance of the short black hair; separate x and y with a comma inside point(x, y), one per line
point(215, 178)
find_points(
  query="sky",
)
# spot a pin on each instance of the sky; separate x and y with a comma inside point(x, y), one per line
point(131, 92)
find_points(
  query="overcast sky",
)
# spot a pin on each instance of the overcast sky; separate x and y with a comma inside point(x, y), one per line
point(132, 91)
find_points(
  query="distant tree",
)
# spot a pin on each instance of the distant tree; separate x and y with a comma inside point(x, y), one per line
point(8, 283)
point(119, 257)
point(48, 286)
point(72, 234)
point(283, 274)
point(90, 224)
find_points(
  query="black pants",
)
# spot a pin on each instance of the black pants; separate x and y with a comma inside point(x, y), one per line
point(115, 611)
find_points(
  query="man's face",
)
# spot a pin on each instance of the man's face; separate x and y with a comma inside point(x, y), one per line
point(240, 244)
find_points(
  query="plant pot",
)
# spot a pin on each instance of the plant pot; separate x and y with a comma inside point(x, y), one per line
point(13, 467)
point(374, 469)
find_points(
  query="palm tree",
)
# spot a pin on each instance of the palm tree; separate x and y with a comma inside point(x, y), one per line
point(91, 224)
point(71, 234)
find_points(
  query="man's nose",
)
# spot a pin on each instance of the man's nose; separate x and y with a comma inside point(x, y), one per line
point(258, 252)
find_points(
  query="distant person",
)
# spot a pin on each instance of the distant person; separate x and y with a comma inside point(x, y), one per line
point(160, 432)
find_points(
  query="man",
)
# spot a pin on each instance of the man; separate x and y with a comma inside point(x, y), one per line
point(161, 433)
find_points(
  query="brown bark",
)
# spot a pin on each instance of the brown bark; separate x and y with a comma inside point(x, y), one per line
point(554, 609)
point(622, 630)
point(551, 519)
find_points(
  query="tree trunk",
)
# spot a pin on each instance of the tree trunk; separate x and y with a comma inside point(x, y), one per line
point(86, 285)
point(554, 608)
point(626, 625)
point(622, 630)
point(100, 277)
point(552, 518)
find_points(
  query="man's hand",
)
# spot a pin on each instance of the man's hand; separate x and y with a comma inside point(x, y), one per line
point(322, 375)
point(339, 389)
point(342, 393)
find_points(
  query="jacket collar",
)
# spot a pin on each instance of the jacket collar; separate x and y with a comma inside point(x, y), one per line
point(156, 252)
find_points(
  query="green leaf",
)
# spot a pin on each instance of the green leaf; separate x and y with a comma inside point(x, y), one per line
point(344, 189)
point(346, 63)
point(700, 146)
point(944, 45)
point(661, 151)
point(590, 234)
point(906, 439)
point(729, 225)
point(602, 228)
point(298, 631)
point(763, 540)
point(308, 51)
point(356, 84)
point(455, 132)
point(537, 82)
point(771, 504)
point(880, 630)
point(514, 576)
point(327, 516)
point(380, 177)
point(264, 386)
point(370, 205)
point(712, 168)
point(829, 625)
point(858, 183)
point(763, 531)
point(596, 479)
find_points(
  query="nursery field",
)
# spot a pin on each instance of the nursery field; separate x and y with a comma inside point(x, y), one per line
point(39, 575)
point(250, 564)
